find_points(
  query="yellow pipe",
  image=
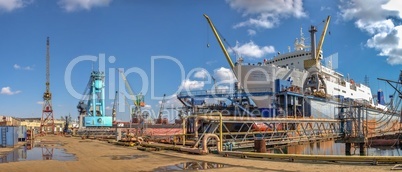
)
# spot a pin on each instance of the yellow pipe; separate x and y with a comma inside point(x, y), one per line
point(184, 131)
point(220, 42)
point(260, 119)
point(374, 159)
point(220, 132)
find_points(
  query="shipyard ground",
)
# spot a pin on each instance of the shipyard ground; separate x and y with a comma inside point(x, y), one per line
point(94, 155)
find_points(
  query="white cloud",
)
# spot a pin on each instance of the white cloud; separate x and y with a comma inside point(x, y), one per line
point(171, 102)
point(147, 107)
point(394, 5)
point(108, 108)
point(18, 67)
point(264, 21)
point(39, 102)
point(223, 88)
point(201, 74)
point(251, 32)
point(209, 63)
point(376, 18)
point(7, 91)
point(76, 5)
point(11, 5)
point(323, 8)
point(252, 50)
point(224, 76)
point(192, 85)
point(267, 14)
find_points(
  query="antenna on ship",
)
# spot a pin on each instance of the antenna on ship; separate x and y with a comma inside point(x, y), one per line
point(366, 81)
point(301, 36)
point(299, 45)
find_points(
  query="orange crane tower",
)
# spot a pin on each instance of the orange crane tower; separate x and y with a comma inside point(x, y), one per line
point(47, 121)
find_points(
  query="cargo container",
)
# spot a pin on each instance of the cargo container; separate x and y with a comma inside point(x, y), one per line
point(8, 136)
point(22, 133)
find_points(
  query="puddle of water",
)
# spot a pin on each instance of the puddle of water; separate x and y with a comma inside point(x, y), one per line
point(29, 153)
point(124, 157)
point(194, 165)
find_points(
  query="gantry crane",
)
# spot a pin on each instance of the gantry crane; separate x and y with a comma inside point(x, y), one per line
point(315, 82)
point(93, 113)
point(47, 120)
point(160, 119)
point(137, 99)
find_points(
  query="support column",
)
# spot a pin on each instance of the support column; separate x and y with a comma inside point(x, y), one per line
point(347, 148)
point(362, 150)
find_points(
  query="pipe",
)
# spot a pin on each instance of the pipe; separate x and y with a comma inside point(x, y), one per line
point(373, 159)
point(196, 128)
point(220, 132)
point(255, 119)
point(202, 117)
point(184, 131)
point(205, 140)
point(204, 149)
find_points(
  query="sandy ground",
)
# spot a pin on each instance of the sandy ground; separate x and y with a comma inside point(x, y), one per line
point(93, 155)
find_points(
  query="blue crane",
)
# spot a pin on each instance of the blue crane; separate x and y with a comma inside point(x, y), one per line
point(93, 111)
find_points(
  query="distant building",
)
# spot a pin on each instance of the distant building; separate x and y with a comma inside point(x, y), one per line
point(9, 121)
point(30, 123)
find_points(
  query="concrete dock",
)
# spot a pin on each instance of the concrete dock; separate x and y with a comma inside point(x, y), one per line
point(94, 155)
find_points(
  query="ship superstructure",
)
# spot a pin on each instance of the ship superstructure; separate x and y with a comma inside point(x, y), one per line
point(296, 82)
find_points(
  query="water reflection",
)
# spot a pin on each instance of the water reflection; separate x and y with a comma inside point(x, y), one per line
point(317, 148)
point(37, 152)
point(332, 148)
point(194, 165)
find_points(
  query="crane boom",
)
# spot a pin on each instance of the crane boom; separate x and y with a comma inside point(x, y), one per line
point(132, 97)
point(138, 100)
point(161, 108)
point(225, 52)
point(115, 104)
point(47, 66)
point(324, 32)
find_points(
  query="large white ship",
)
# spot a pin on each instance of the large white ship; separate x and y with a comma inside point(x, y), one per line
point(296, 85)
point(300, 71)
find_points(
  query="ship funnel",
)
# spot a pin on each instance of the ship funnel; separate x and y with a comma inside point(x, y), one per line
point(312, 31)
point(380, 97)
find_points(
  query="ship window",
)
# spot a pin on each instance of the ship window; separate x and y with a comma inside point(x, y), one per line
point(343, 91)
point(337, 89)
point(297, 62)
point(291, 63)
point(351, 94)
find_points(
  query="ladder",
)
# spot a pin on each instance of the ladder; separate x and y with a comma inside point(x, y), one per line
point(3, 136)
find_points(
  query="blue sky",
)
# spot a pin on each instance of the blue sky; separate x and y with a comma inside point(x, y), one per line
point(366, 36)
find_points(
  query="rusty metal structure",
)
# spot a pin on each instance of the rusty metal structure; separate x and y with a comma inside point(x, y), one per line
point(47, 121)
